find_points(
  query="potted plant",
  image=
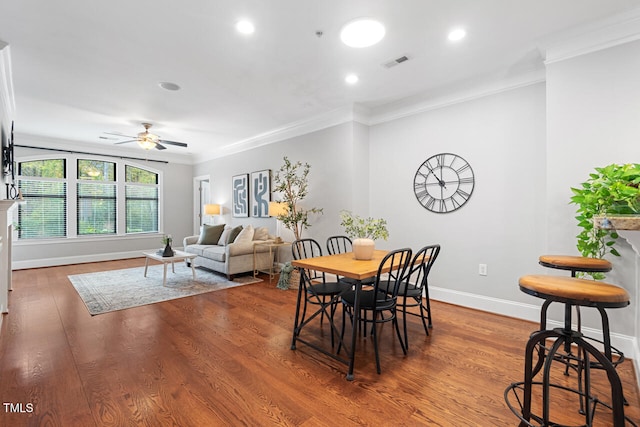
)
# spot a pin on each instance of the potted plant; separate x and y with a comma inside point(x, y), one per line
point(364, 232)
point(292, 183)
point(611, 190)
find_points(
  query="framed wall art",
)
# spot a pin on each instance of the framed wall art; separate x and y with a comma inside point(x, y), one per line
point(261, 193)
point(240, 191)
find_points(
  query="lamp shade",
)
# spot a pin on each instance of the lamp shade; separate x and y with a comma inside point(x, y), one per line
point(278, 208)
point(213, 209)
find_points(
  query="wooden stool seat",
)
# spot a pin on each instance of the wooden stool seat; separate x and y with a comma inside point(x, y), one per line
point(575, 291)
point(575, 263)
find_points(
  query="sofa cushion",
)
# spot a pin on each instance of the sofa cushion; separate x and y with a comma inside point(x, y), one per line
point(210, 234)
point(216, 253)
point(233, 234)
point(195, 249)
point(246, 235)
point(222, 241)
point(261, 233)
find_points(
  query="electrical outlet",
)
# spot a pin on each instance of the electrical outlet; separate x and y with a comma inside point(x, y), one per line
point(482, 269)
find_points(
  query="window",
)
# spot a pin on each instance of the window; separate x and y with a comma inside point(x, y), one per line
point(43, 186)
point(141, 196)
point(96, 197)
point(74, 197)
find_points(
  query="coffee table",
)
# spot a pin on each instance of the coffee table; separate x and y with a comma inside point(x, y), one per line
point(177, 256)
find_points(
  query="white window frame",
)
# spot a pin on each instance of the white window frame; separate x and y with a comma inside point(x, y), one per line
point(71, 179)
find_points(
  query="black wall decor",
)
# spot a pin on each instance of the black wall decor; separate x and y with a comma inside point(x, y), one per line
point(443, 183)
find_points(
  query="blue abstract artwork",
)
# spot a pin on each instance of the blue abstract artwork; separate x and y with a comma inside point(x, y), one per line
point(240, 187)
point(261, 192)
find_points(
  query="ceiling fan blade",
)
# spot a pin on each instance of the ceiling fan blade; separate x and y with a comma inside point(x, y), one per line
point(124, 142)
point(160, 146)
point(179, 144)
point(119, 134)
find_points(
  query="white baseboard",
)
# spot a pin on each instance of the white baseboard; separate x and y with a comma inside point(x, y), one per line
point(626, 344)
point(78, 259)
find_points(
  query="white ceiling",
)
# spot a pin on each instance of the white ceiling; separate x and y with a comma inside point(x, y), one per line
point(81, 68)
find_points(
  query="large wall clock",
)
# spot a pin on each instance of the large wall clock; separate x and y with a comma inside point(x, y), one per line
point(443, 183)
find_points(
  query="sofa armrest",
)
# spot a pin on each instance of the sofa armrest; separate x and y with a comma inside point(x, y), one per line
point(189, 240)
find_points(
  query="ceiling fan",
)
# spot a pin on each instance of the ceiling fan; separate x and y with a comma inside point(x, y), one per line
point(147, 140)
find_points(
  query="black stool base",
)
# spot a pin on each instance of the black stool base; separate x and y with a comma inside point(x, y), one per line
point(563, 339)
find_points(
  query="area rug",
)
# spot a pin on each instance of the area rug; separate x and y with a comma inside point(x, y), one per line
point(114, 290)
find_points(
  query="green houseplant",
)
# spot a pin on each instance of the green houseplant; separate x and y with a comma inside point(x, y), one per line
point(293, 184)
point(610, 190)
point(364, 231)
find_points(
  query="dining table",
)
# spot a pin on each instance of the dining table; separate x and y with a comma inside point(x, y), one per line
point(342, 265)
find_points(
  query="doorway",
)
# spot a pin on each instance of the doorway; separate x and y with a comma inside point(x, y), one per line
point(201, 197)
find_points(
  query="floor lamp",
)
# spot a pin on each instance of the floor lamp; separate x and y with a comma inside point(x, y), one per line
point(277, 209)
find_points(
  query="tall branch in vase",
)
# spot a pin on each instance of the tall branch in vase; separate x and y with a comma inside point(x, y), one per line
point(292, 183)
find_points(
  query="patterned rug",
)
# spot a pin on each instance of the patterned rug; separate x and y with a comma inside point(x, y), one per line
point(114, 290)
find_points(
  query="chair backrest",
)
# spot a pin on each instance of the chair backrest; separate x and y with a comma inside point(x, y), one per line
point(307, 248)
point(423, 260)
point(387, 283)
point(338, 245)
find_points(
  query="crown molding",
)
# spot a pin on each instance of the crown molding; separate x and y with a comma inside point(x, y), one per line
point(352, 113)
point(592, 37)
point(401, 109)
point(7, 97)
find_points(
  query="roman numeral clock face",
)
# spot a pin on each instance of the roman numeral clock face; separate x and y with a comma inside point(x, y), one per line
point(443, 183)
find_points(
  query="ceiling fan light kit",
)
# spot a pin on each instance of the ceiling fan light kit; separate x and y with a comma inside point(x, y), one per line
point(148, 140)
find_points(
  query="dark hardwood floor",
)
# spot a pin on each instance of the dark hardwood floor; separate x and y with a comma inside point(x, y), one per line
point(224, 358)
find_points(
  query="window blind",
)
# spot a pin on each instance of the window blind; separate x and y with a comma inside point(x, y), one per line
point(45, 213)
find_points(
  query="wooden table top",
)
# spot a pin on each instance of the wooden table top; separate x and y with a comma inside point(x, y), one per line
point(344, 264)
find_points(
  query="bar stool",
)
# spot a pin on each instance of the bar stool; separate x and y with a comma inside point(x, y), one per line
point(574, 264)
point(577, 264)
point(572, 292)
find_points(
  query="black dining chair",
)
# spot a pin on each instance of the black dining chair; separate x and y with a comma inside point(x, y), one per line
point(377, 300)
point(315, 287)
point(414, 289)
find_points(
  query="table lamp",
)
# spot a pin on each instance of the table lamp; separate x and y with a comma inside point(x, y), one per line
point(213, 209)
point(278, 209)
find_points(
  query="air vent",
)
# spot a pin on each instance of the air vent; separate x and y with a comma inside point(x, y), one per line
point(395, 62)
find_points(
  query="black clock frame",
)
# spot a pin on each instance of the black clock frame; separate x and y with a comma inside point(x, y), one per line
point(444, 183)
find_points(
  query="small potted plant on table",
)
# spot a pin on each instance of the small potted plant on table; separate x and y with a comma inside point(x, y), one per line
point(364, 232)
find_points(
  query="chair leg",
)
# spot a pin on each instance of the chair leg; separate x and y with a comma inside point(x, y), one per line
point(426, 295)
point(422, 311)
point(374, 335)
point(395, 323)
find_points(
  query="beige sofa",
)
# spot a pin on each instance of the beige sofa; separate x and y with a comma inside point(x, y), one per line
point(232, 257)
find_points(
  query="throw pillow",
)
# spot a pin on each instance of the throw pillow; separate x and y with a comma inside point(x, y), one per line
point(233, 234)
point(261, 233)
point(210, 234)
point(246, 235)
point(222, 241)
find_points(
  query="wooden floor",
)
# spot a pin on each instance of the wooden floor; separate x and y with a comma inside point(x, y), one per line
point(224, 358)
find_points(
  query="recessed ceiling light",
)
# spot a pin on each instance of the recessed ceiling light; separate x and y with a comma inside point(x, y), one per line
point(362, 33)
point(245, 27)
point(169, 86)
point(457, 34)
point(351, 79)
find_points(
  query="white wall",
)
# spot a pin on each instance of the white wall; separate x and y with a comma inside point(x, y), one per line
point(592, 121)
point(331, 154)
point(502, 137)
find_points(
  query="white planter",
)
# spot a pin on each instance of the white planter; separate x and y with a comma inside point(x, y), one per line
point(363, 248)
